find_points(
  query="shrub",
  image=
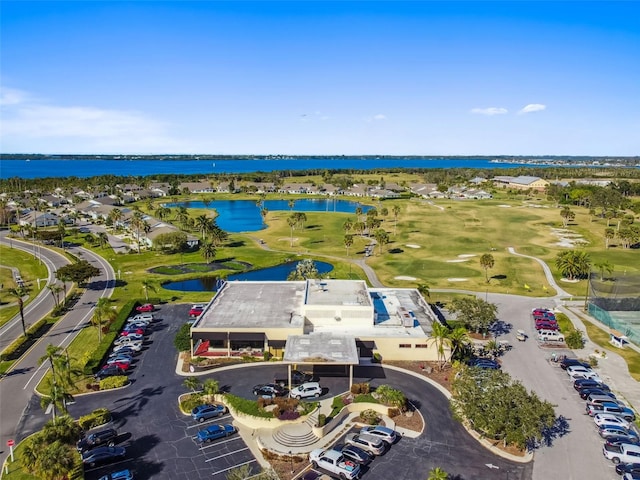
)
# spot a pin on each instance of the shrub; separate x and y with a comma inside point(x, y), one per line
point(182, 341)
point(116, 381)
point(338, 403)
point(370, 417)
point(95, 418)
point(377, 358)
point(266, 356)
point(289, 415)
point(322, 420)
point(22, 344)
point(190, 402)
point(575, 340)
point(593, 361)
point(248, 407)
point(358, 388)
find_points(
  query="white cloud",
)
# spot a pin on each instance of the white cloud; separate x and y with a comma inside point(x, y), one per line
point(532, 107)
point(490, 111)
point(376, 118)
point(26, 119)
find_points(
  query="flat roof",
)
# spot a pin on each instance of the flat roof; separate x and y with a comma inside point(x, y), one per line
point(246, 304)
point(337, 292)
point(320, 348)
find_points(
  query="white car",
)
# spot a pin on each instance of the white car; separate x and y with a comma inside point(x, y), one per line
point(132, 337)
point(578, 369)
point(136, 346)
point(385, 434)
point(145, 317)
point(306, 390)
point(610, 419)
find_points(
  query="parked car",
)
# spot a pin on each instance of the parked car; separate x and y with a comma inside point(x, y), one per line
point(585, 392)
point(207, 411)
point(269, 390)
point(631, 476)
point(119, 475)
point(546, 325)
point(611, 407)
point(385, 434)
point(353, 453)
point(128, 330)
point(484, 363)
point(122, 364)
point(582, 383)
point(550, 336)
point(297, 378)
point(196, 310)
point(108, 371)
point(620, 439)
point(137, 323)
point(119, 357)
point(623, 468)
point(96, 439)
point(214, 432)
point(128, 338)
point(306, 390)
point(334, 462)
point(570, 362)
point(147, 307)
point(102, 455)
point(610, 419)
point(371, 444)
point(626, 453)
point(607, 431)
point(133, 348)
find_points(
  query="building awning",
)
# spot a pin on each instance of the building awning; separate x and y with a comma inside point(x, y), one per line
point(321, 348)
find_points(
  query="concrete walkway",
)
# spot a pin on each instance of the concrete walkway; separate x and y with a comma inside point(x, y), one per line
point(547, 272)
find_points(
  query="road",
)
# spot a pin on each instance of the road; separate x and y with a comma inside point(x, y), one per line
point(43, 303)
point(17, 386)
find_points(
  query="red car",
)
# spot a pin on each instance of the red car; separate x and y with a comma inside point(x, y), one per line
point(547, 326)
point(147, 307)
point(196, 310)
point(124, 366)
point(124, 333)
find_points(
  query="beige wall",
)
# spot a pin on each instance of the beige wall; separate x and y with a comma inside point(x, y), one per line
point(390, 349)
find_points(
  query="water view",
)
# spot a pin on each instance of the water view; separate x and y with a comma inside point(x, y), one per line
point(244, 215)
point(211, 284)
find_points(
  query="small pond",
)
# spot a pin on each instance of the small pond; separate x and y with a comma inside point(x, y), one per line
point(211, 284)
point(244, 215)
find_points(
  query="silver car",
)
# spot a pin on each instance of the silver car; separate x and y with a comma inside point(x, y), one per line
point(366, 442)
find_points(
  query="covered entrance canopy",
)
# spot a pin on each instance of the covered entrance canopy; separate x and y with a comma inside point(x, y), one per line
point(321, 349)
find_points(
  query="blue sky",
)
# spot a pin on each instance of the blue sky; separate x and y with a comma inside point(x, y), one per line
point(311, 77)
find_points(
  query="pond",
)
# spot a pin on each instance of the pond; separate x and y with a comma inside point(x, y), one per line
point(244, 215)
point(211, 284)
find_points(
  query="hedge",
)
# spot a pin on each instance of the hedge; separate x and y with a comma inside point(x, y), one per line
point(116, 381)
point(94, 419)
point(98, 354)
point(249, 407)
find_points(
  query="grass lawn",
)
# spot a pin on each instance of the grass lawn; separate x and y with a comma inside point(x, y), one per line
point(30, 270)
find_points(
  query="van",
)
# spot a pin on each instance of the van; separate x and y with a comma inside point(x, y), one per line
point(625, 453)
point(550, 335)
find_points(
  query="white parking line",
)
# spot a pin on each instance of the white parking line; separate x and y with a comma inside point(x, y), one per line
point(226, 454)
point(213, 420)
point(235, 466)
point(220, 443)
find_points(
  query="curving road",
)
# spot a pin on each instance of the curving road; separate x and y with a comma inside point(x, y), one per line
point(16, 387)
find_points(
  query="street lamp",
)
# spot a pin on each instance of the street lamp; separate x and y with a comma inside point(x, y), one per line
point(291, 460)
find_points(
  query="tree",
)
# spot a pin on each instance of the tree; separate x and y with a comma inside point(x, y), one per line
point(191, 383)
point(19, 293)
point(171, 242)
point(347, 226)
point(55, 290)
point(487, 262)
point(438, 474)
point(208, 251)
point(210, 386)
point(424, 290)
point(182, 340)
point(147, 285)
point(78, 272)
point(474, 313)
point(573, 264)
point(291, 221)
point(602, 267)
point(203, 224)
point(182, 216)
point(396, 212)
point(103, 238)
point(103, 314)
point(567, 215)
point(382, 238)
point(440, 335)
point(304, 269)
point(348, 242)
point(609, 233)
point(459, 339)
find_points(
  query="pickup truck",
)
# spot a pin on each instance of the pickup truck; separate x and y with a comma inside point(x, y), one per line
point(297, 378)
point(625, 453)
point(334, 462)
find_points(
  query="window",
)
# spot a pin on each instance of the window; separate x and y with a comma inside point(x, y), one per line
point(405, 345)
point(422, 345)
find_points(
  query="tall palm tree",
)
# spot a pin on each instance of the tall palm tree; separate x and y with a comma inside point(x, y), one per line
point(487, 261)
point(203, 224)
point(52, 353)
point(609, 234)
point(191, 383)
point(440, 335)
point(459, 338)
point(103, 238)
point(182, 216)
point(19, 292)
point(424, 290)
point(396, 212)
point(603, 266)
point(55, 290)
point(147, 285)
point(102, 315)
point(348, 242)
point(208, 251)
point(291, 221)
point(137, 222)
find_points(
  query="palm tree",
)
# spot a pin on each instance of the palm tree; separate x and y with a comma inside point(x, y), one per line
point(487, 262)
point(210, 386)
point(102, 315)
point(396, 212)
point(31, 449)
point(382, 237)
point(137, 222)
point(263, 212)
point(103, 238)
point(567, 215)
point(116, 215)
point(440, 335)
point(51, 355)
point(348, 242)
point(55, 290)
point(347, 226)
point(438, 474)
point(459, 338)
point(208, 251)
point(203, 223)
point(291, 221)
point(423, 289)
point(609, 233)
point(56, 461)
point(147, 285)
point(191, 383)
point(182, 216)
point(19, 292)
point(573, 264)
point(603, 266)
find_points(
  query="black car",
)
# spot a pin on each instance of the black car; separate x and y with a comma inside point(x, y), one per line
point(355, 454)
point(582, 383)
point(620, 439)
point(108, 371)
point(585, 392)
point(268, 390)
point(297, 378)
point(96, 439)
point(571, 362)
point(484, 363)
point(101, 455)
point(623, 468)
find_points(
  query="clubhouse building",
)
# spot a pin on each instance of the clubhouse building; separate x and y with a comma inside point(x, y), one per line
point(316, 322)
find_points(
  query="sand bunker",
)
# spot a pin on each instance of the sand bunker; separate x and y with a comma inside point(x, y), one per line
point(457, 260)
point(412, 245)
point(457, 279)
point(567, 238)
point(504, 206)
point(402, 277)
point(467, 255)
